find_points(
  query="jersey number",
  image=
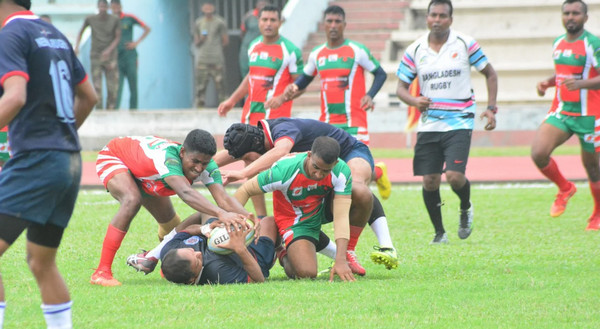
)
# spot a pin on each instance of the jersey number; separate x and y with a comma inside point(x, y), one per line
point(63, 94)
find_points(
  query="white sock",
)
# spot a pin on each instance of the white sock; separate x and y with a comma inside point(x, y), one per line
point(330, 250)
point(382, 232)
point(156, 251)
point(2, 307)
point(58, 316)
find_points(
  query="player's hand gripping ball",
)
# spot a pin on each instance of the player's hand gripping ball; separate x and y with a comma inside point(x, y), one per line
point(219, 235)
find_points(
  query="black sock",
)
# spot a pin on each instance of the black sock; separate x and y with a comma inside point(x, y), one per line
point(464, 193)
point(323, 241)
point(433, 203)
point(377, 210)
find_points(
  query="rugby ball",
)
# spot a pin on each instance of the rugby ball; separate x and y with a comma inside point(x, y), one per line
point(219, 235)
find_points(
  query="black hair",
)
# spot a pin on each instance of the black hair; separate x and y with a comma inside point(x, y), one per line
point(200, 141)
point(23, 3)
point(440, 2)
point(326, 148)
point(118, 2)
point(103, 1)
point(242, 138)
point(270, 8)
point(176, 269)
point(583, 4)
point(335, 10)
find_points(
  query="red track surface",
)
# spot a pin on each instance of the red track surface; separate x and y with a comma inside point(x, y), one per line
point(481, 169)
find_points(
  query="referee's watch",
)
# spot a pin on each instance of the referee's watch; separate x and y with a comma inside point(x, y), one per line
point(492, 108)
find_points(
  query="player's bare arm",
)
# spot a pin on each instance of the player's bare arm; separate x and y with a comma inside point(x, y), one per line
point(13, 99)
point(236, 243)
point(85, 100)
point(576, 84)
point(420, 102)
point(194, 199)
point(542, 86)
point(282, 147)
point(238, 95)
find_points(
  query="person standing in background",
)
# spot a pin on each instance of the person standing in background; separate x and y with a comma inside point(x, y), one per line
point(106, 34)
point(127, 53)
point(210, 36)
point(249, 32)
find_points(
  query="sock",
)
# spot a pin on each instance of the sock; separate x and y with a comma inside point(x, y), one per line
point(112, 242)
point(355, 232)
point(156, 251)
point(464, 193)
point(552, 172)
point(2, 307)
point(433, 203)
point(595, 188)
point(325, 246)
point(58, 316)
point(378, 173)
point(379, 225)
point(164, 228)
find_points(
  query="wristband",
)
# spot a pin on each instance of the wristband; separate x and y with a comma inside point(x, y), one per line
point(205, 230)
point(492, 108)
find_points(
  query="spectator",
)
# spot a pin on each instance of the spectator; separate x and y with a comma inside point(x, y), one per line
point(127, 54)
point(103, 55)
point(210, 36)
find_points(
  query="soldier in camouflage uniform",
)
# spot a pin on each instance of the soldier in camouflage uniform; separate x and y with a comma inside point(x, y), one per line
point(210, 36)
point(106, 33)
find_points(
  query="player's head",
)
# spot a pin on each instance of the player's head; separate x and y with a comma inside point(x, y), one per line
point(322, 158)
point(439, 16)
point(334, 23)
point(440, 2)
point(198, 149)
point(23, 3)
point(269, 21)
point(259, 4)
point(243, 138)
point(115, 6)
point(182, 266)
point(574, 16)
point(208, 8)
point(46, 18)
point(103, 6)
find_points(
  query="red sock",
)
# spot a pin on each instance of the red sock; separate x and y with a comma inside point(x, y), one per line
point(551, 171)
point(355, 232)
point(595, 188)
point(112, 242)
point(378, 173)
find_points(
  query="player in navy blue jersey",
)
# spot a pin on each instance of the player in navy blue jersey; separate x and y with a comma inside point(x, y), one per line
point(45, 97)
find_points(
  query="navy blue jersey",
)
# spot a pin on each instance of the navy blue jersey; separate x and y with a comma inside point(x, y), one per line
point(303, 132)
point(40, 53)
point(221, 269)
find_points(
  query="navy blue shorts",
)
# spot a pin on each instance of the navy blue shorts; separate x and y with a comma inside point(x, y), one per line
point(434, 149)
point(264, 252)
point(41, 186)
point(360, 150)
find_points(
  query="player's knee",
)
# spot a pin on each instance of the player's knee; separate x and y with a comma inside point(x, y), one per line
point(306, 273)
point(361, 194)
point(39, 266)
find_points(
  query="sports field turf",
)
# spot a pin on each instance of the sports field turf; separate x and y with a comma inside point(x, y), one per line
point(519, 269)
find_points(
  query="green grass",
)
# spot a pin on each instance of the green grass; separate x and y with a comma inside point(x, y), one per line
point(403, 153)
point(519, 269)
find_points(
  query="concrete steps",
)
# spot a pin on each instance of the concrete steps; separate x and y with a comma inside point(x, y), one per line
point(516, 36)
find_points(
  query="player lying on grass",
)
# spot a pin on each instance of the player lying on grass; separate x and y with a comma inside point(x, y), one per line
point(186, 258)
point(145, 171)
point(272, 139)
point(300, 184)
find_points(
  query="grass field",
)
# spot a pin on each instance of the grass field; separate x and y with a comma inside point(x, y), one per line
point(519, 269)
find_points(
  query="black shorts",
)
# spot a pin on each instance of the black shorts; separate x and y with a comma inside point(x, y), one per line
point(433, 149)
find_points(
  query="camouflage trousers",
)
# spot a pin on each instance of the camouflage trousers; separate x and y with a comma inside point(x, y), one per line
point(111, 73)
point(204, 72)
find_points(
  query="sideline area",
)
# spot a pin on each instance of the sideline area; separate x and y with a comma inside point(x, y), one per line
point(479, 169)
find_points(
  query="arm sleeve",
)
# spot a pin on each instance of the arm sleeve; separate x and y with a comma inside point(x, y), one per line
point(378, 81)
